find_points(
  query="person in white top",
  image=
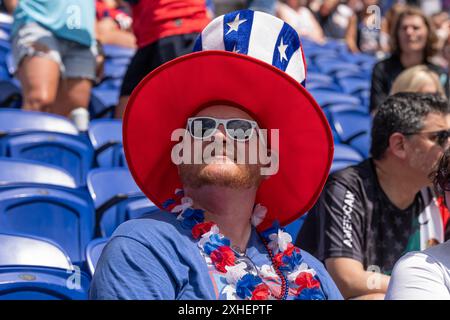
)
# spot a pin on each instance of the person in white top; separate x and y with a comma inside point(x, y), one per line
point(425, 275)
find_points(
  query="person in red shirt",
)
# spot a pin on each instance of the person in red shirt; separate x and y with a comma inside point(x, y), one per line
point(164, 30)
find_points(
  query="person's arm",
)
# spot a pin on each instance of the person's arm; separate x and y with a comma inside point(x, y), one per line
point(351, 34)
point(417, 276)
point(338, 230)
point(354, 282)
point(10, 5)
point(128, 270)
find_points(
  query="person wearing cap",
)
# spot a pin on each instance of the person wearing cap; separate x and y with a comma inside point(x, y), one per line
point(372, 213)
point(218, 234)
point(425, 275)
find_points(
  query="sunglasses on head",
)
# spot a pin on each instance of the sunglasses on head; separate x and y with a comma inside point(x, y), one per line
point(236, 129)
point(439, 137)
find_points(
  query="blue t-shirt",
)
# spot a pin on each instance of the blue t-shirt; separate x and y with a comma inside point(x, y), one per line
point(155, 258)
point(72, 20)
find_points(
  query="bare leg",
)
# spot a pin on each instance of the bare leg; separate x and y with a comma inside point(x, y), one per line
point(120, 109)
point(72, 94)
point(39, 77)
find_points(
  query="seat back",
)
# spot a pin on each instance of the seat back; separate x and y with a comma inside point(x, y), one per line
point(69, 152)
point(15, 120)
point(106, 138)
point(111, 189)
point(23, 250)
point(25, 172)
point(40, 283)
point(93, 251)
point(64, 216)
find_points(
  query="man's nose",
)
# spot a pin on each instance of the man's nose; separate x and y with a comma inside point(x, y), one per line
point(220, 133)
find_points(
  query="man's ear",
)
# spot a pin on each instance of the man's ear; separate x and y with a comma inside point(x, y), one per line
point(397, 144)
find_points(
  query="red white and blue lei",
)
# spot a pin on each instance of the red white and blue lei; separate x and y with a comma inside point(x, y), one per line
point(287, 260)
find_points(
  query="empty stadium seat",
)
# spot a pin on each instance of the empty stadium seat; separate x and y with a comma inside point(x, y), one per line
point(137, 208)
point(346, 153)
point(106, 138)
point(354, 86)
point(15, 172)
point(111, 189)
point(42, 283)
point(44, 202)
point(10, 95)
point(46, 138)
point(65, 217)
point(331, 66)
point(326, 98)
point(93, 251)
point(112, 52)
point(103, 102)
point(20, 121)
point(353, 128)
point(313, 85)
point(25, 250)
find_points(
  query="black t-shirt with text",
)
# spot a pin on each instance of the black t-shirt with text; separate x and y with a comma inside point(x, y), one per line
point(354, 218)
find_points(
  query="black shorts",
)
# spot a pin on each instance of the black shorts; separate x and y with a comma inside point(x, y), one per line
point(153, 55)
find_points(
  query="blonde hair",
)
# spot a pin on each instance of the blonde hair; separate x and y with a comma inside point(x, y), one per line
point(415, 78)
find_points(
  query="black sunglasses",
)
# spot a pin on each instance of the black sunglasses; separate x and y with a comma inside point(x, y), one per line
point(439, 137)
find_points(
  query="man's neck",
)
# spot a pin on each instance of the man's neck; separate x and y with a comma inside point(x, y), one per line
point(395, 183)
point(231, 209)
point(411, 59)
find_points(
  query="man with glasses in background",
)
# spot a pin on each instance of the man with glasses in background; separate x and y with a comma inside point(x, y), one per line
point(372, 213)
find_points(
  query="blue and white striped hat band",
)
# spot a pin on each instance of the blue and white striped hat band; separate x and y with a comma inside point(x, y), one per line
point(259, 35)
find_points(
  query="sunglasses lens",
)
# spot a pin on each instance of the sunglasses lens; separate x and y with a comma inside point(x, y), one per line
point(202, 127)
point(240, 130)
point(443, 138)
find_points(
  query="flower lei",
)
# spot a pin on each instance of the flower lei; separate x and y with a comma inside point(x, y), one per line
point(287, 259)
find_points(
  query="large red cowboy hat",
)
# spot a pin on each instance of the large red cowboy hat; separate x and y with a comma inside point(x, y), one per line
point(164, 100)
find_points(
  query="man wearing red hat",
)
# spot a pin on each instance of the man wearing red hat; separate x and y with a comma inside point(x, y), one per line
point(254, 154)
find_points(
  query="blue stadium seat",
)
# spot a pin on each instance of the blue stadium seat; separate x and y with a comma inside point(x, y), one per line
point(63, 216)
point(339, 165)
point(20, 121)
point(335, 108)
point(331, 66)
point(346, 153)
point(326, 98)
point(359, 58)
point(42, 283)
point(25, 250)
point(344, 156)
point(114, 70)
point(318, 77)
point(10, 95)
point(111, 189)
point(93, 251)
point(103, 102)
point(353, 128)
point(358, 74)
point(43, 201)
point(137, 208)
point(106, 138)
point(313, 85)
point(15, 172)
point(354, 86)
point(46, 138)
point(112, 52)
